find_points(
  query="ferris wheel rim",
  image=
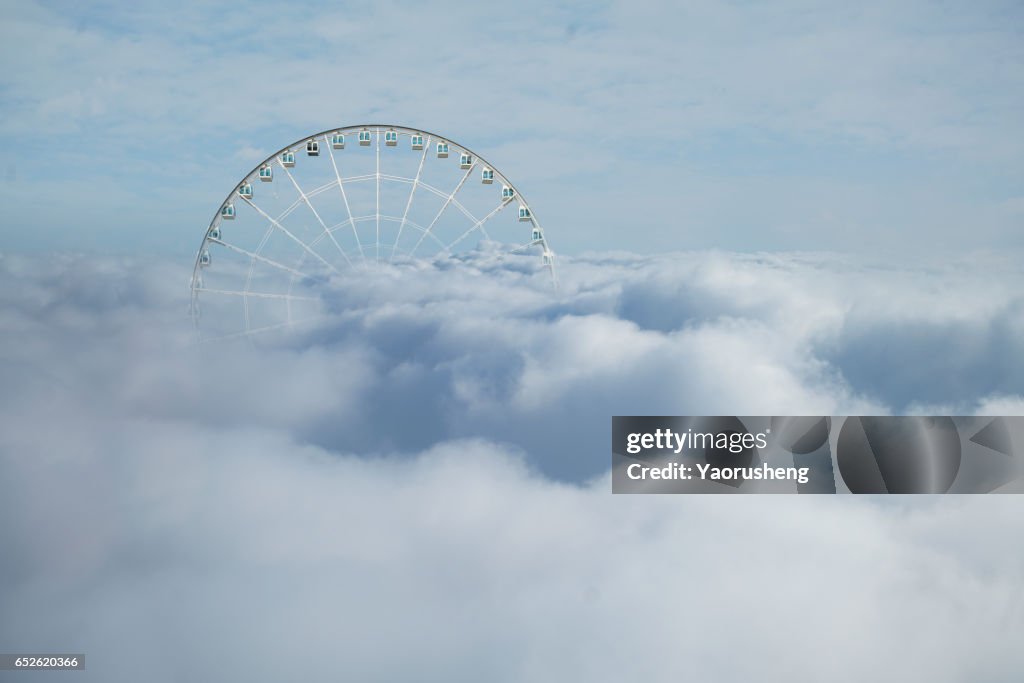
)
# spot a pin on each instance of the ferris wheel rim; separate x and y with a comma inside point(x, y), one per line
point(377, 128)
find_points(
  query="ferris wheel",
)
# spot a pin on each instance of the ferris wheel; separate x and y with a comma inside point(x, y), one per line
point(344, 200)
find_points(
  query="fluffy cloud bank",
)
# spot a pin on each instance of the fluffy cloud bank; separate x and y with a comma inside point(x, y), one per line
point(416, 487)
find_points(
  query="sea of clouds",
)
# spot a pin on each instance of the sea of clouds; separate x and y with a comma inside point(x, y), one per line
point(416, 487)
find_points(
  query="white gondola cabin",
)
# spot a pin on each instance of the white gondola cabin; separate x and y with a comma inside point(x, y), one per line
point(487, 176)
point(245, 191)
point(338, 141)
point(266, 173)
point(214, 233)
point(548, 258)
point(364, 137)
point(417, 141)
point(465, 160)
point(288, 158)
point(537, 236)
point(313, 148)
point(204, 258)
point(442, 150)
point(524, 213)
point(507, 193)
point(227, 211)
point(390, 138)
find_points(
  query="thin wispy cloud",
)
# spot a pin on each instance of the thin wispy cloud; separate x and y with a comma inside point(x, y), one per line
point(793, 126)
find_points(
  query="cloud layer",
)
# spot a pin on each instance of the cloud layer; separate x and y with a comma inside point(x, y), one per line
point(417, 486)
point(404, 361)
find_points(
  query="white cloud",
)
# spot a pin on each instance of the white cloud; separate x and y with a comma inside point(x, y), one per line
point(418, 487)
point(223, 545)
point(484, 351)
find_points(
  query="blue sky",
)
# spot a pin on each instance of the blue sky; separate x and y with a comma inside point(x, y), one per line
point(891, 128)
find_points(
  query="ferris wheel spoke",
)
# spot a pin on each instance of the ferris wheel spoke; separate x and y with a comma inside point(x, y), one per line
point(384, 217)
point(262, 259)
point(289, 234)
point(443, 207)
point(252, 270)
point(359, 178)
point(258, 295)
point(430, 188)
point(315, 213)
point(479, 225)
point(412, 192)
point(378, 195)
point(465, 212)
point(257, 330)
point(524, 247)
point(320, 190)
point(344, 196)
point(288, 210)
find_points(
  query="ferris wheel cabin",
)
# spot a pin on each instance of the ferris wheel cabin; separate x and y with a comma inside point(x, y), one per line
point(507, 193)
point(214, 233)
point(204, 259)
point(442, 150)
point(487, 176)
point(312, 148)
point(417, 141)
point(465, 160)
point(288, 158)
point(266, 173)
point(524, 213)
point(364, 137)
point(245, 191)
point(390, 138)
point(228, 212)
point(338, 141)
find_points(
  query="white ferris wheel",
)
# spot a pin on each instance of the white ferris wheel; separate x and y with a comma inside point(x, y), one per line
point(343, 200)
